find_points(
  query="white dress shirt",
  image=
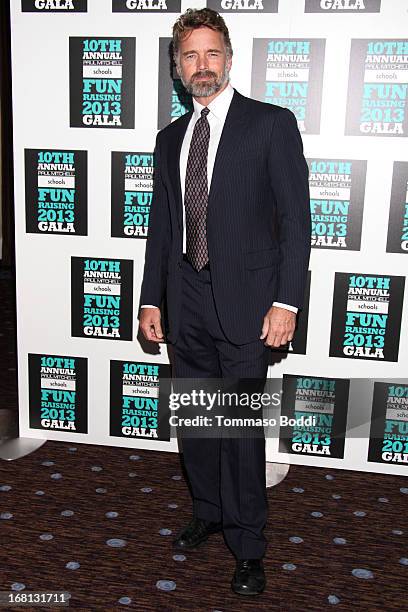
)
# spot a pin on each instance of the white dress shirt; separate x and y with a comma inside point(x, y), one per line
point(216, 118)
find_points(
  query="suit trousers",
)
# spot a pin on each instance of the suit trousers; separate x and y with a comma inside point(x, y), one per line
point(226, 474)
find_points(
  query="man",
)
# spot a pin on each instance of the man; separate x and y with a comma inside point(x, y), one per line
point(228, 246)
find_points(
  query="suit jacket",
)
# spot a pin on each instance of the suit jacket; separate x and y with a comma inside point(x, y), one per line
point(258, 219)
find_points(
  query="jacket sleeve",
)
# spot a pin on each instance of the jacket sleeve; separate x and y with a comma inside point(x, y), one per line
point(158, 239)
point(289, 175)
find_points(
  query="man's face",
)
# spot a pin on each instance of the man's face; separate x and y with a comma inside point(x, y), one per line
point(203, 65)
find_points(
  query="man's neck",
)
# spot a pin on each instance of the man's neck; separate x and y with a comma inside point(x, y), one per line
point(205, 101)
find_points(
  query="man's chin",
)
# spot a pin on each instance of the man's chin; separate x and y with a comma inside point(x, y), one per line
point(203, 91)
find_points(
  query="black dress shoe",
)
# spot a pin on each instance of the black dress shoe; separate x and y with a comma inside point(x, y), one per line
point(249, 577)
point(196, 532)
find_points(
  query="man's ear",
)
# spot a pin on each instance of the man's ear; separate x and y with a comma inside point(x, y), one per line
point(177, 67)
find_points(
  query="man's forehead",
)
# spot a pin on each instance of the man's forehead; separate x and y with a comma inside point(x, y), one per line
point(202, 36)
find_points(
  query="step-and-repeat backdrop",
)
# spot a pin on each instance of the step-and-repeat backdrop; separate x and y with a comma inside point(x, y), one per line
point(92, 84)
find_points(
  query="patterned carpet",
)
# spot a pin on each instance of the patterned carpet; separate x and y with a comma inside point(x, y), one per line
point(98, 522)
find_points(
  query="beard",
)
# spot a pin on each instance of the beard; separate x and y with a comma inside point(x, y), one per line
point(205, 89)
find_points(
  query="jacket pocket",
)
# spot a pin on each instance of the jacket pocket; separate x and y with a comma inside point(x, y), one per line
point(265, 258)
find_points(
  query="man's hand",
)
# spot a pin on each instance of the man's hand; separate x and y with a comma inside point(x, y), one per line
point(150, 324)
point(278, 326)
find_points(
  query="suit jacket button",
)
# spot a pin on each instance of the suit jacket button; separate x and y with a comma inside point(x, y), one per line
point(179, 264)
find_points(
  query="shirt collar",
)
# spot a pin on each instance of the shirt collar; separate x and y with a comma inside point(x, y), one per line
point(219, 106)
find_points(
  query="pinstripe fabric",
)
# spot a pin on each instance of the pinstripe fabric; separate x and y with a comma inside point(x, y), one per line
point(258, 219)
point(226, 474)
point(258, 239)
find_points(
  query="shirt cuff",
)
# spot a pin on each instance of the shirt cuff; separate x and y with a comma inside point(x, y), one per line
point(287, 306)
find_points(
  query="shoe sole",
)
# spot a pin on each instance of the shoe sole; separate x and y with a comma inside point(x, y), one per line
point(247, 593)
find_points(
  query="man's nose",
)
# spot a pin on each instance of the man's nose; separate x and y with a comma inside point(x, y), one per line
point(202, 62)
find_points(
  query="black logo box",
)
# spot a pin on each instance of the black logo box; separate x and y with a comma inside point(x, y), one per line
point(358, 52)
point(378, 419)
point(77, 298)
point(172, 6)
point(397, 232)
point(344, 6)
point(116, 384)
point(55, 6)
point(315, 82)
point(118, 165)
point(339, 422)
point(81, 388)
point(339, 310)
point(247, 6)
point(357, 194)
point(31, 191)
point(127, 102)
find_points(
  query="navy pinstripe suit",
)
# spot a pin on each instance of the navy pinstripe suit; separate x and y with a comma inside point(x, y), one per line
point(258, 220)
point(258, 235)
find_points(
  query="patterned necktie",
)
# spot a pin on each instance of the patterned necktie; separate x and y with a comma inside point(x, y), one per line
point(196, 193)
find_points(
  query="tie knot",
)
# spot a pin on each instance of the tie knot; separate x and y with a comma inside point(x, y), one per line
point(205, 112)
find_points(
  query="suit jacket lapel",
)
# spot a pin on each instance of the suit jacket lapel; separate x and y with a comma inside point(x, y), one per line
point(231, 137)
point(174, 162)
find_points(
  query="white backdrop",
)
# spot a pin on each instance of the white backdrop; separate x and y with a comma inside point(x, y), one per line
point(41, 109)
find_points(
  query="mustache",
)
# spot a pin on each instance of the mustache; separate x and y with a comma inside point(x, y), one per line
point(204, 73)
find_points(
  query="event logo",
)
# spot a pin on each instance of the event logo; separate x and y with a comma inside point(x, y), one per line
point(337, 188)
point(58, 393)
point(147, 6)
point(378, 88)
point(139, 400)
point(366, 316)
point(244, 6)
point(102, 82)
point(31, 6)
point(342, 6)
point(389, 424)
point(397, 241)
point(315, 410)
point(56, 191)
point(102, 298)
point(132, 186)
point(289, 72)
point(173, 100)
